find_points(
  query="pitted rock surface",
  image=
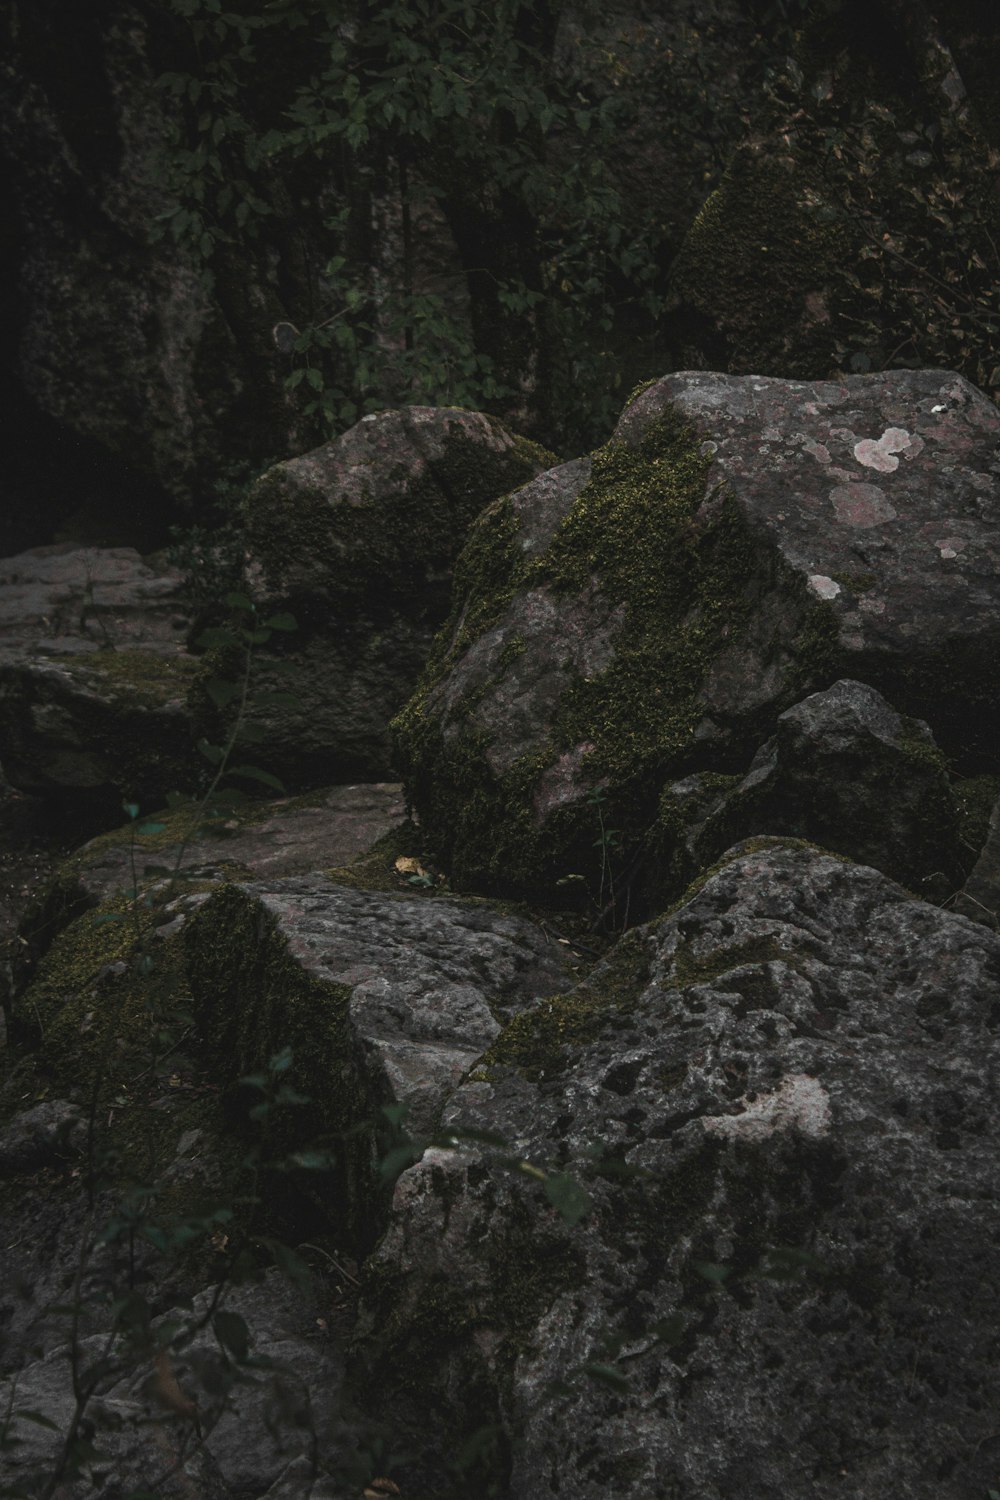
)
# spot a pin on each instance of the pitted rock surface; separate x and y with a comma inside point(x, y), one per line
point(786, 1121)
point(430, 980)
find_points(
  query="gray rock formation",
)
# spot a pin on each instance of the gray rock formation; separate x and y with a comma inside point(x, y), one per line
point(739, 543)
point(94, 673)
point(780, 1100)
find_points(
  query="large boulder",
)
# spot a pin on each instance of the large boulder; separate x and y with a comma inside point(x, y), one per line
point(780, 1100)
point(739, 543)
point(358, 539)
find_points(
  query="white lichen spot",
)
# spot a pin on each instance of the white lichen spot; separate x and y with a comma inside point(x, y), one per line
point(951, 546)
point(870, 606)
point(939, 408)
point(861, 505)
point(799, 1103)
point(826, 588)
point(881, 455)
point(709, 447)
point(817, 451)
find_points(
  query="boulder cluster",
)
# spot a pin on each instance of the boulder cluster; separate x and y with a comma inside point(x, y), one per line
point(602, 1033)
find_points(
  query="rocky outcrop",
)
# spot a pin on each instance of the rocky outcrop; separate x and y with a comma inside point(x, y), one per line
point(714, 1216)
point(739, 543)
point(779, 1103)
point(127, 342)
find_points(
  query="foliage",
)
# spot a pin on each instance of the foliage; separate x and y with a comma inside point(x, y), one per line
point(906, 169)
point(395, 121)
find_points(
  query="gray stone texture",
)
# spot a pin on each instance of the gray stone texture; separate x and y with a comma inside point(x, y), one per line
point(786, 1121)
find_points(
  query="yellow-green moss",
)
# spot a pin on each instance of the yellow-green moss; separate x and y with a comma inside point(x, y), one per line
point(139, 679)
point(538, 1041)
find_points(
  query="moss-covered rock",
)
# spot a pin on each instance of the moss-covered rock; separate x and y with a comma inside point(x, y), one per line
point(375, 519)
point(738, 544)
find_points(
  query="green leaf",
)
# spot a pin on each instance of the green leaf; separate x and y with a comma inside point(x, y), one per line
point(254, 773)
point(565, 1194)
point(217, 636)
point(236, 600)
point(607, 1375)
point(232, 1333)
point(222, 691)
point(717, 1275)
point(281, 622)
point(281, 1061)
point(132, 808)
point(397, 1160)
point(151, 827)
point(313, 1161)
point(287, 1095)
point(109, 916)
point(212, 753)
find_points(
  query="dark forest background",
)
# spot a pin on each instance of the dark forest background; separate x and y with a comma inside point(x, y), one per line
point(232, 229)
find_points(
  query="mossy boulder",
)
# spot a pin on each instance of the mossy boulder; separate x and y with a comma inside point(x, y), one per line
point(624, 622)
point(358, 539)
point(377, 516)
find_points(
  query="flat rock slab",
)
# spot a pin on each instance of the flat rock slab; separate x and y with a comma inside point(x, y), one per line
point(66, 598)
point(781, 1100)
point(94, 673)
point(291, 836)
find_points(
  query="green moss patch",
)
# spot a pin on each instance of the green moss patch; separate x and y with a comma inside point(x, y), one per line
point(140, 679)
point(539, 1042)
